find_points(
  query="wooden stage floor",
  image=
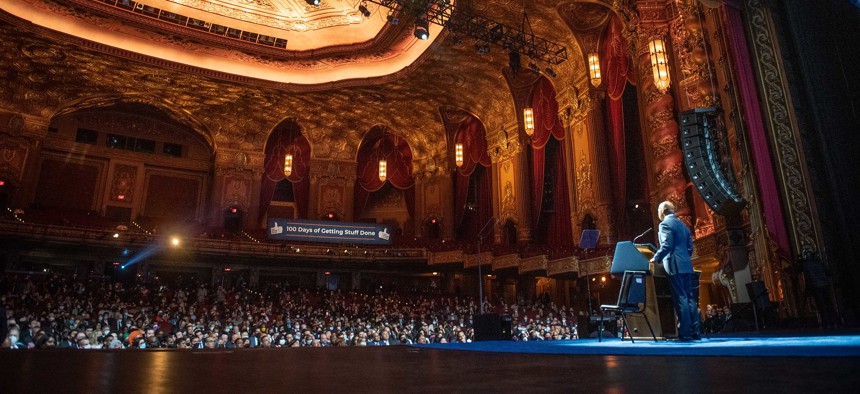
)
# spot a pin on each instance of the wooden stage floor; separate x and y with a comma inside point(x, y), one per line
point(404, 369)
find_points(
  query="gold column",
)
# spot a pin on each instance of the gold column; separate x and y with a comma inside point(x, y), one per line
point(659, 124)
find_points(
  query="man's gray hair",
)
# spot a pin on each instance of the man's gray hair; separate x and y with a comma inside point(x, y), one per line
point(665, 208)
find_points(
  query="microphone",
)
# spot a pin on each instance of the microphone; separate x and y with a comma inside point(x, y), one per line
point(643, 234)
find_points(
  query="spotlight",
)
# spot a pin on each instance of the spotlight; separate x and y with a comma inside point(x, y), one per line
point(392, 19)
point(364, 11)
point(534, 67)
point(313, 2)
point(482, 49)
point(116, 235)
point(550, 72)
point(514, 61)
point(175, 241)
point(422, 29)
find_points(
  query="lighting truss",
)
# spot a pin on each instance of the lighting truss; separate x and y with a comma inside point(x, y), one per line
point(441, 12)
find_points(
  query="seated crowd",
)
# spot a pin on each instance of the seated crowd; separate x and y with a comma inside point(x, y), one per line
point(57, 311)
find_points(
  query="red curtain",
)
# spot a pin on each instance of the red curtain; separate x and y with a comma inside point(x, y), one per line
point(547, 123)
point(559, 231)
point(615, 64)
point(286, 138)
point(769, 193)
point(380, 144)
point(473, 137)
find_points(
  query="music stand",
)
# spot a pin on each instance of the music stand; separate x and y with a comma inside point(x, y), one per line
point(588, 240)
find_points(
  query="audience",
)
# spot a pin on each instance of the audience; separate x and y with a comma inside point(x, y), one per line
point(69, 312)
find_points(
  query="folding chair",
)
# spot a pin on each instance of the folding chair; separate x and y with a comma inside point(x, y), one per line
point(631, 300)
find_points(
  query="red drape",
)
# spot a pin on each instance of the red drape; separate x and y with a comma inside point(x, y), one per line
point(616, 71)
point(769, 193)
point(547, 123)
point(559, 231)
point(286, 138)
point(396, 151)
point(473, 137)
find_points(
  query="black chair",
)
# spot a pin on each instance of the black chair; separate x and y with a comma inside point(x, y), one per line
point(631, 300)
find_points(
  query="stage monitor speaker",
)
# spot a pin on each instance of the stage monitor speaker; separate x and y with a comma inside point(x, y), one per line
point(488, 327)
point(702, 160)
point(758, 295)
point(507, 333)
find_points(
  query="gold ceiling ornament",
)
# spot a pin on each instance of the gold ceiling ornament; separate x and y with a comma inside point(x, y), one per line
point(594, 69)
point(659, 63)
point(458, 154)
point(383, 170)
point(529, 120)
point(288, 164)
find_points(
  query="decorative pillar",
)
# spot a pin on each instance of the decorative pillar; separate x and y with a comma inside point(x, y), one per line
point(21, 138)
point(238, 176)
point(598, 158)
point(332, 183)
point(660, 127)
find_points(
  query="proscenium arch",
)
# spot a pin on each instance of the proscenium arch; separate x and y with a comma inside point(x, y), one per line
point(182, 117)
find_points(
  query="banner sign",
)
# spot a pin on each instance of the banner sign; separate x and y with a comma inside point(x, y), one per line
point(334, 232)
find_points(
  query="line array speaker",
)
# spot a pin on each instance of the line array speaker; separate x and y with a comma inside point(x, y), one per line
point(702, 160)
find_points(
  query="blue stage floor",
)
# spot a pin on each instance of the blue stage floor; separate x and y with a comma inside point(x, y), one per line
point(735, 345)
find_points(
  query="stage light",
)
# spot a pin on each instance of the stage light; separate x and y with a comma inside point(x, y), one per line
point(594, 69)
point(534, 67)
point(482, 49)
point(422, 29)
point(2, 183)
point(550, 72)
point(458, 154)
point(603, 279)
point(124, 253)
point(116, 235)
point(288, 164)
point(659, 63)
point(330, 216)
point(529, 120)
point(364, 11)
point(233, 210)
point(435, 273)
point(313, 2)
point(383, 170)
point(116, 263)
point(174, 241)
point(514, 61)
point(328, 273)
point(227, 269)
point(120, 197)
point(392, 19)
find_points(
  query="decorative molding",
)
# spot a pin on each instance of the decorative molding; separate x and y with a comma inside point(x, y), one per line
point(595, 266)
point(446, 257)
point(506, 261)
point(784, 136)
point(565, 265)
point(533, 263)
point(472, 259)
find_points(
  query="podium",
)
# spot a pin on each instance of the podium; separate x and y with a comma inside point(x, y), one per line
point(658, 305)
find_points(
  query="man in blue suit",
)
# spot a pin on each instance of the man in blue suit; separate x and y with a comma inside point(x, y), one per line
point(676, 247)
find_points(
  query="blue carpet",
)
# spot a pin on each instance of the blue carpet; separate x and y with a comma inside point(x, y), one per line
point(737, 346)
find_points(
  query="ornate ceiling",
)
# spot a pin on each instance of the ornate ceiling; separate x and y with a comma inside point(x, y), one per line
point(47, 70)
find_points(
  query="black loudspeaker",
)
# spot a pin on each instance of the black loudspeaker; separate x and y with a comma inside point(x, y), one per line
point(488, 327)
point(702, 160)
point(758, 295)
point(507, 333)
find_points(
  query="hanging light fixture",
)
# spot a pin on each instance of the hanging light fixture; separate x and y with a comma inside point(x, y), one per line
point(529, 120)
point(458, 154)
point(659, 63)
point(594, 69)
point(383, 170)
point(288, 164)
